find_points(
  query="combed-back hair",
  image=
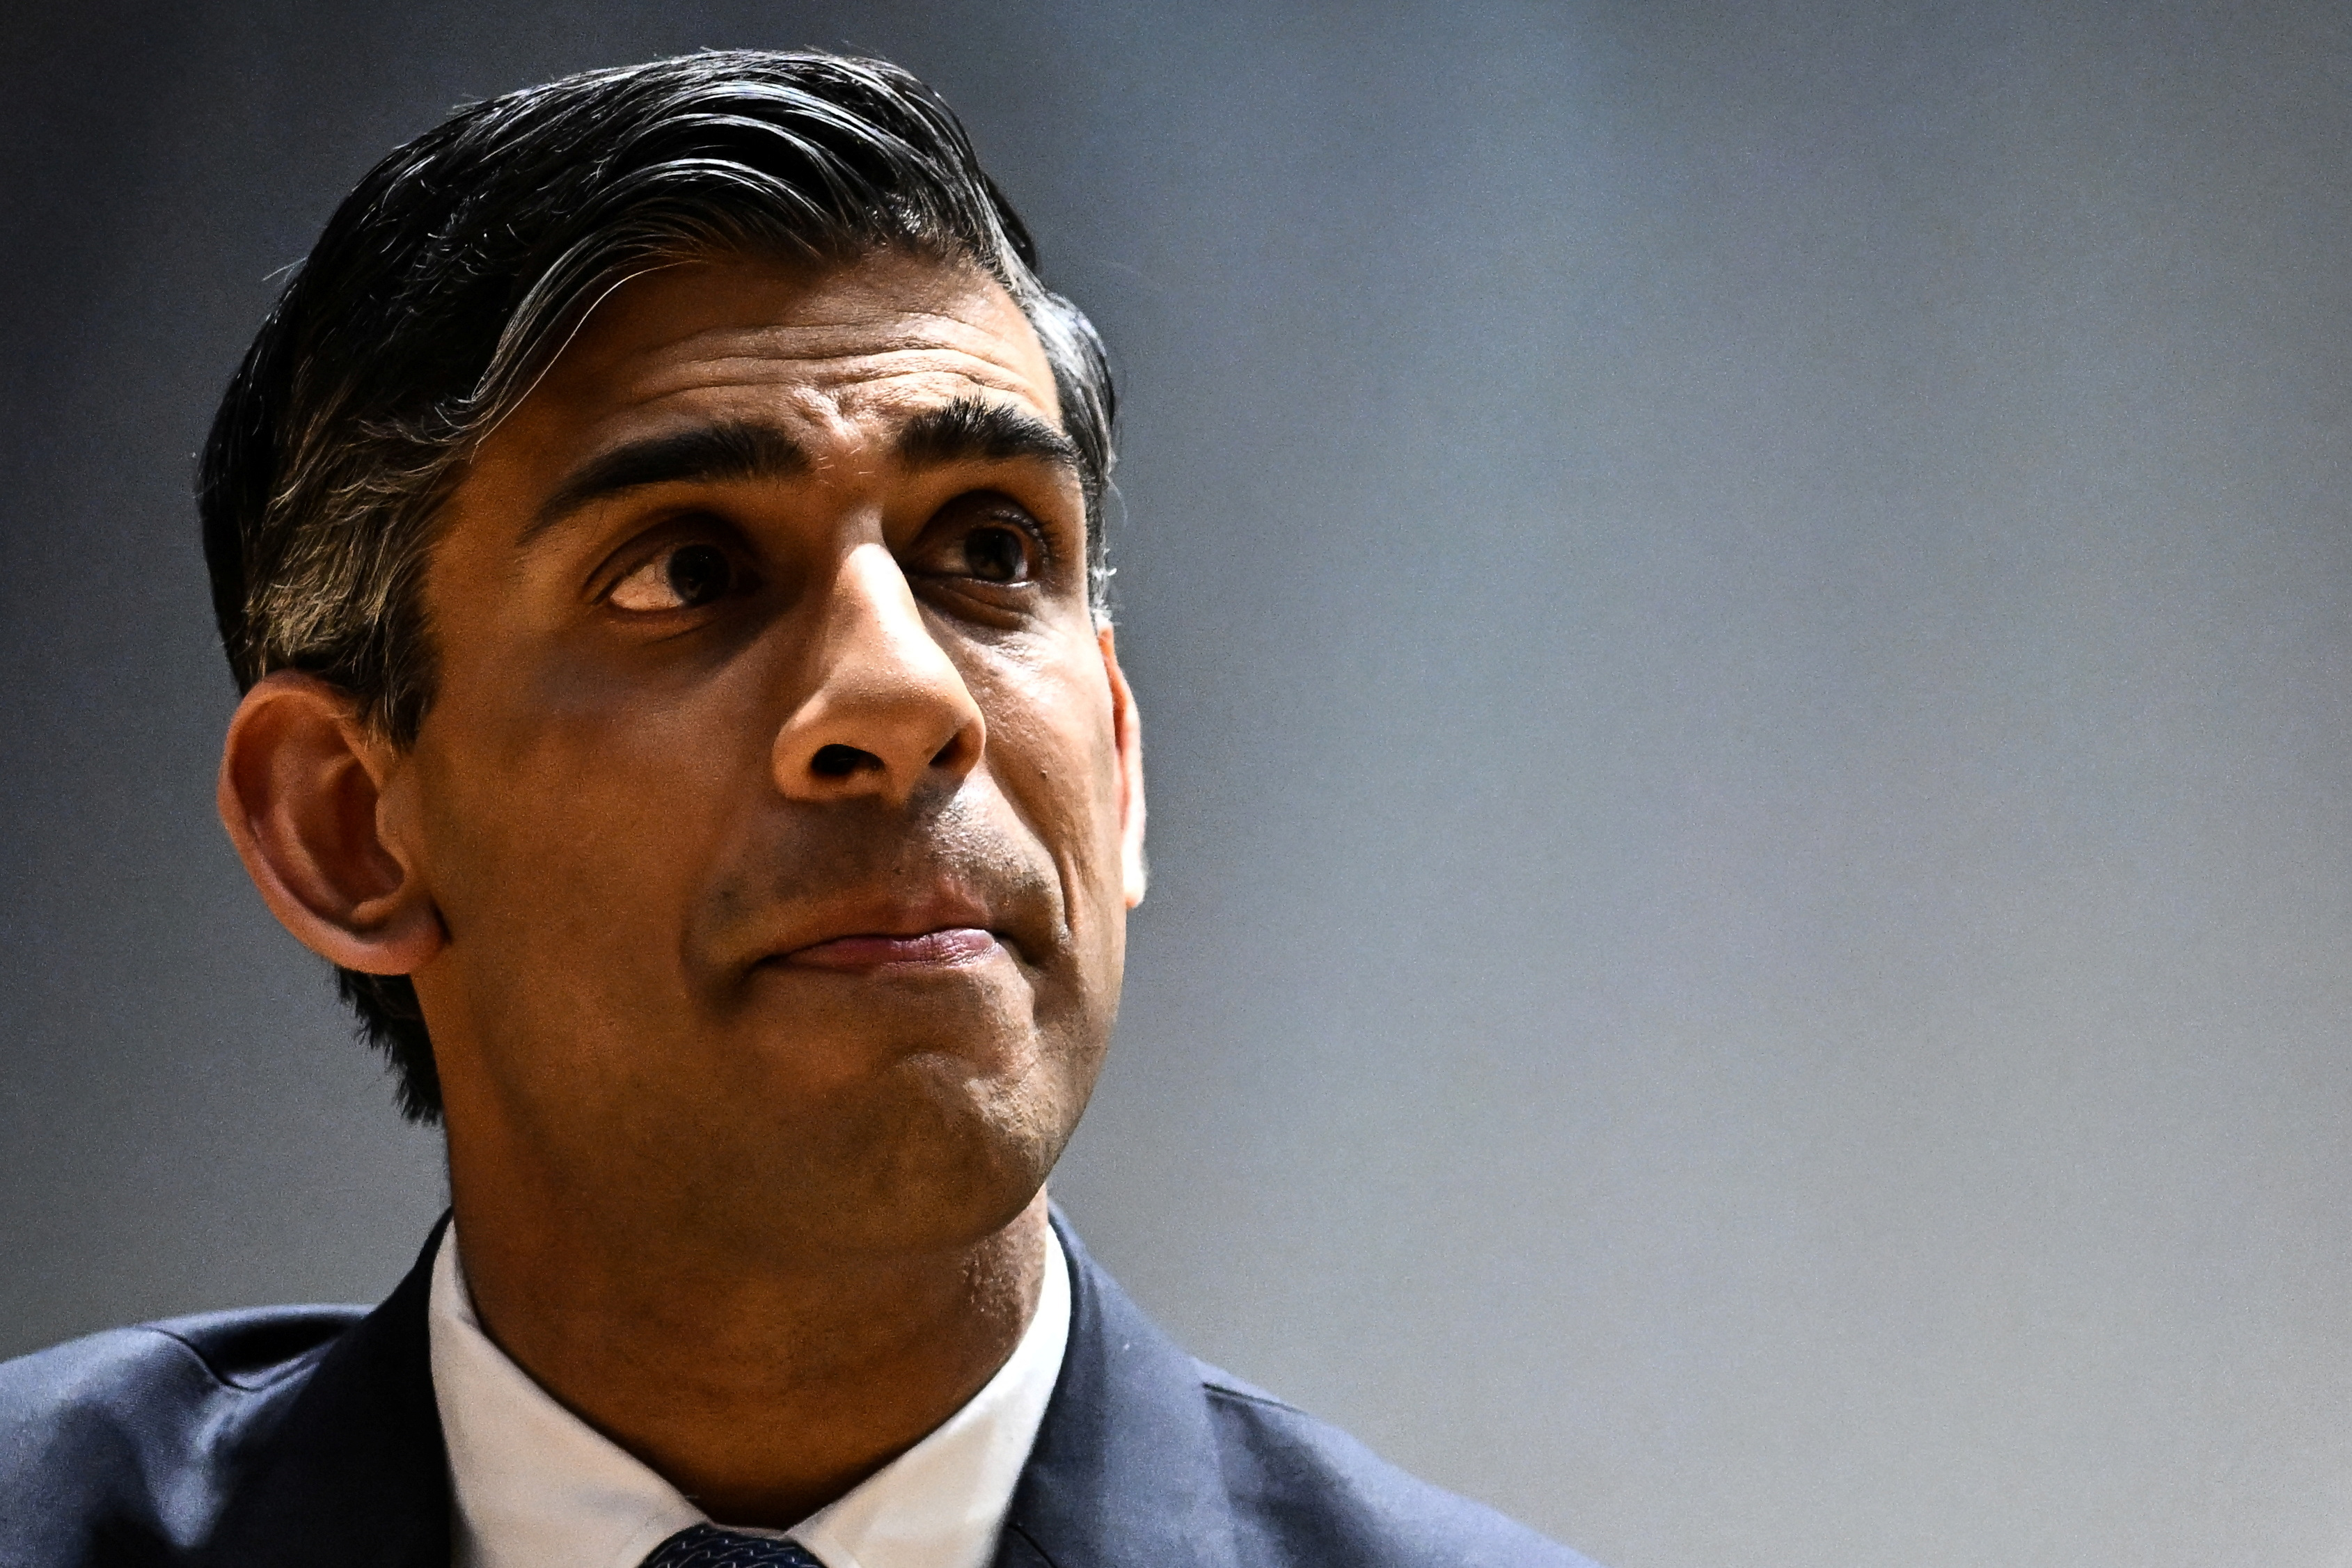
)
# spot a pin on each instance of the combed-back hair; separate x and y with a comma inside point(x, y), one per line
point(457, 269)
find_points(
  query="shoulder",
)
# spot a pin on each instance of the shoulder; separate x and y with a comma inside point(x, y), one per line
point(1147, 1455)
point(117, 1448)
point(1303, 1491)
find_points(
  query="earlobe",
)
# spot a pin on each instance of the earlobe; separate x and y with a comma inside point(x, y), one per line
point(1128, 736)
point(301, 783)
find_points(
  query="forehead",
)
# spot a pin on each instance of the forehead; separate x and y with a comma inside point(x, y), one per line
point(835, 350)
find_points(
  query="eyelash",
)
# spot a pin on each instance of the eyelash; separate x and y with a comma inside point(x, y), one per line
point(682, 532)
point(677, 534)
point(1016, 519)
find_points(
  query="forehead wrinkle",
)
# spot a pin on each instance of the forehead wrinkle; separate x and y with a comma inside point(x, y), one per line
point(848, 414)
point(845, 379)
point(762, 370)
point(880, 330)
point(875, 322)
point(879, 340)
point(841, 417)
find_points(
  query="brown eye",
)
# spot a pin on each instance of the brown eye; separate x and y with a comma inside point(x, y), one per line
point(997, 553)
point(700, 573)
point(686, 577)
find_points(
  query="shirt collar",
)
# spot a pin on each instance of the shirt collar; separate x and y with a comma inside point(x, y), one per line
point(535, 1487)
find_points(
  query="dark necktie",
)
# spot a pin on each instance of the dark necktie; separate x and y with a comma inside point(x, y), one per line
point(708, 1546)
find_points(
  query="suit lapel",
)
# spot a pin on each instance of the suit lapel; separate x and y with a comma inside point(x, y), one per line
point(1125, 1470)
point(1124, 1473)
point(354, 1474)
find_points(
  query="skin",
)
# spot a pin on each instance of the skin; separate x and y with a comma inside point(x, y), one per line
point(769, 933)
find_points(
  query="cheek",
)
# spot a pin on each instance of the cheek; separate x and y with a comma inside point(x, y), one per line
point(567, 827)
point(1054, 754)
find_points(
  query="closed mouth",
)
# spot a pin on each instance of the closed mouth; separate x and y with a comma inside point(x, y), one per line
point(949, 947)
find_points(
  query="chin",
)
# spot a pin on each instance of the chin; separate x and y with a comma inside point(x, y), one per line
point(962, 1160)
point(937, 1150)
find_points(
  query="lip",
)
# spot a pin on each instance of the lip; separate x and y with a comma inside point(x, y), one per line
point(944, 947)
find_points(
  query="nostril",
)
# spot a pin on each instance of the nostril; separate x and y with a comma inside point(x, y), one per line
point(841, 761)
point(947, 754)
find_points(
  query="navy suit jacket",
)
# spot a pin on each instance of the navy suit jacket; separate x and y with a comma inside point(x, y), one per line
point(308, 1438)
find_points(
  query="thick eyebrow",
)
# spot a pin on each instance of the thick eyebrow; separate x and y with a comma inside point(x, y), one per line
point(707, 453)
point(973, 428)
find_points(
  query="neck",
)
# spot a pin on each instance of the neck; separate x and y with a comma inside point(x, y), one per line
point(762, 1392)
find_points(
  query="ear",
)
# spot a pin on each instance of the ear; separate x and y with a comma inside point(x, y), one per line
point(1128, 736)
point(303, 793)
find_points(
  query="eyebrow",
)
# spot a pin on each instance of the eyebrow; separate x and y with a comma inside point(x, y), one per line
point(966, 430)
point(705, 454)
point(973, 428)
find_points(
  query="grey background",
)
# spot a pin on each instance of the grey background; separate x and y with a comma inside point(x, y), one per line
point(1742, 612)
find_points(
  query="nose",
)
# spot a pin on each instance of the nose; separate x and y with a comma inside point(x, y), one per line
point(888, 711)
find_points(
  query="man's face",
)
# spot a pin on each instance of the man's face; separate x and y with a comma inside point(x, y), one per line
point(779, 797)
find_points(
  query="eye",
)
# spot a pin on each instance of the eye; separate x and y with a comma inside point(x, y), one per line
point(684, 577)
point(997, 552)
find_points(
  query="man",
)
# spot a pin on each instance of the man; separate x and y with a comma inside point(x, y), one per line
point(658, 533)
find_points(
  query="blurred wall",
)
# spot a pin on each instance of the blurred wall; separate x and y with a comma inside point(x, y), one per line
point(1743, 614)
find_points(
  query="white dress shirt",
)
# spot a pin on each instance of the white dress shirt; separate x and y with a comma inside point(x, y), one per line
point(535, 1487)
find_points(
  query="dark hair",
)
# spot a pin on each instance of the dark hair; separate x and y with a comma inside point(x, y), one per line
point(454, 272)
